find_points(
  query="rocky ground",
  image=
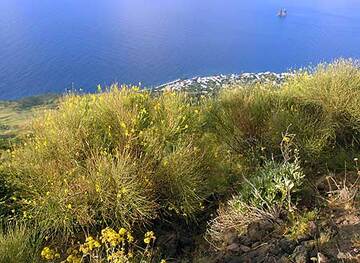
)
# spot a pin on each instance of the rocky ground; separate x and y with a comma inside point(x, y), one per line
point(333, 236)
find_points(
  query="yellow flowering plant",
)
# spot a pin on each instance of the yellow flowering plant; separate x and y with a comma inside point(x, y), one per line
point(111, 246)
point(49, 254)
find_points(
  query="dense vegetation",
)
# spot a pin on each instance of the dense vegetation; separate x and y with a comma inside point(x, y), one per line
point(93, 179)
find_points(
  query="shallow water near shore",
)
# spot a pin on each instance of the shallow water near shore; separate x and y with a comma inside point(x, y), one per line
point(52, 45)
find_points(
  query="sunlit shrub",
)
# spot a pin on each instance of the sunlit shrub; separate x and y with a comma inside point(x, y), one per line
point(118, 157)
point(320, 108)
point(240, 118)
point(334, 90)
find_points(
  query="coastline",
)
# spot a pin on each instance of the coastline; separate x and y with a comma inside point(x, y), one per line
point(211, 84)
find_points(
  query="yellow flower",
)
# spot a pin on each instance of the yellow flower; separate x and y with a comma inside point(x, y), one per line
point(286, 139)
point(149, 236)
point(123, 125)
point(122, 231)
point(130, 238)
point(147, 240)
point(97, 187)
point(110, 236)
point(89, 245)
point(73, 259)
point(49, 254)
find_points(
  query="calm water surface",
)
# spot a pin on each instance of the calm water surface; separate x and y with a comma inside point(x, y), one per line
point(54, 45)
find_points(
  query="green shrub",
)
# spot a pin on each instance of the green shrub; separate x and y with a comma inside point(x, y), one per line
point(272, 185)
point(320, 108)
point(335, 90)
point(262, 197)
point(239, 117)
point(121, 158)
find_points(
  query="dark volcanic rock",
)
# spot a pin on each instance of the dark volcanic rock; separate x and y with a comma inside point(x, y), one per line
point(258, 230)
point(287, 245)
point(300, 254)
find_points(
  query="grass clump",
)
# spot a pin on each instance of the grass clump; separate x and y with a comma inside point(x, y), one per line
point(319, 108)
point(18, 244)
point(115, 158)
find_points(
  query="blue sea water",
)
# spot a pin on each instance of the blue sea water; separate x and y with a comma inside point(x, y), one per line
point(53, 45)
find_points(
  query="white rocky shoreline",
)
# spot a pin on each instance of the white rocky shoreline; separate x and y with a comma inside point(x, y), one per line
point(211, 84)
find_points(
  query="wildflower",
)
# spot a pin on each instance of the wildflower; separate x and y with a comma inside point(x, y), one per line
point(130, 238)
point(122, 231)
point(123, 125)
point(109, 235)
point(49, 254)
point(97, 187)
point(73, 259)
point(89, 245)
point(149, 236)
point(286, 139)
point(117, 257)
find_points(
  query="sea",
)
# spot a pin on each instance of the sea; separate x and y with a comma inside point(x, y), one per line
point(53, 46)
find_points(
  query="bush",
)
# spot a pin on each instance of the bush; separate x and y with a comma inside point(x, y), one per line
point(273, 185)
point(121, 158)
point(334, 90)
point(262, 197)
point(125, 157)
point(239, 118)
point(320, 108)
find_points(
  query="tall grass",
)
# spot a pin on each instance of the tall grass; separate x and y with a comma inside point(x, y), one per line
point(18, 244)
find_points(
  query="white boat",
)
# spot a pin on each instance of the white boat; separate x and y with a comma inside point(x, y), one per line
point(282, 13)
